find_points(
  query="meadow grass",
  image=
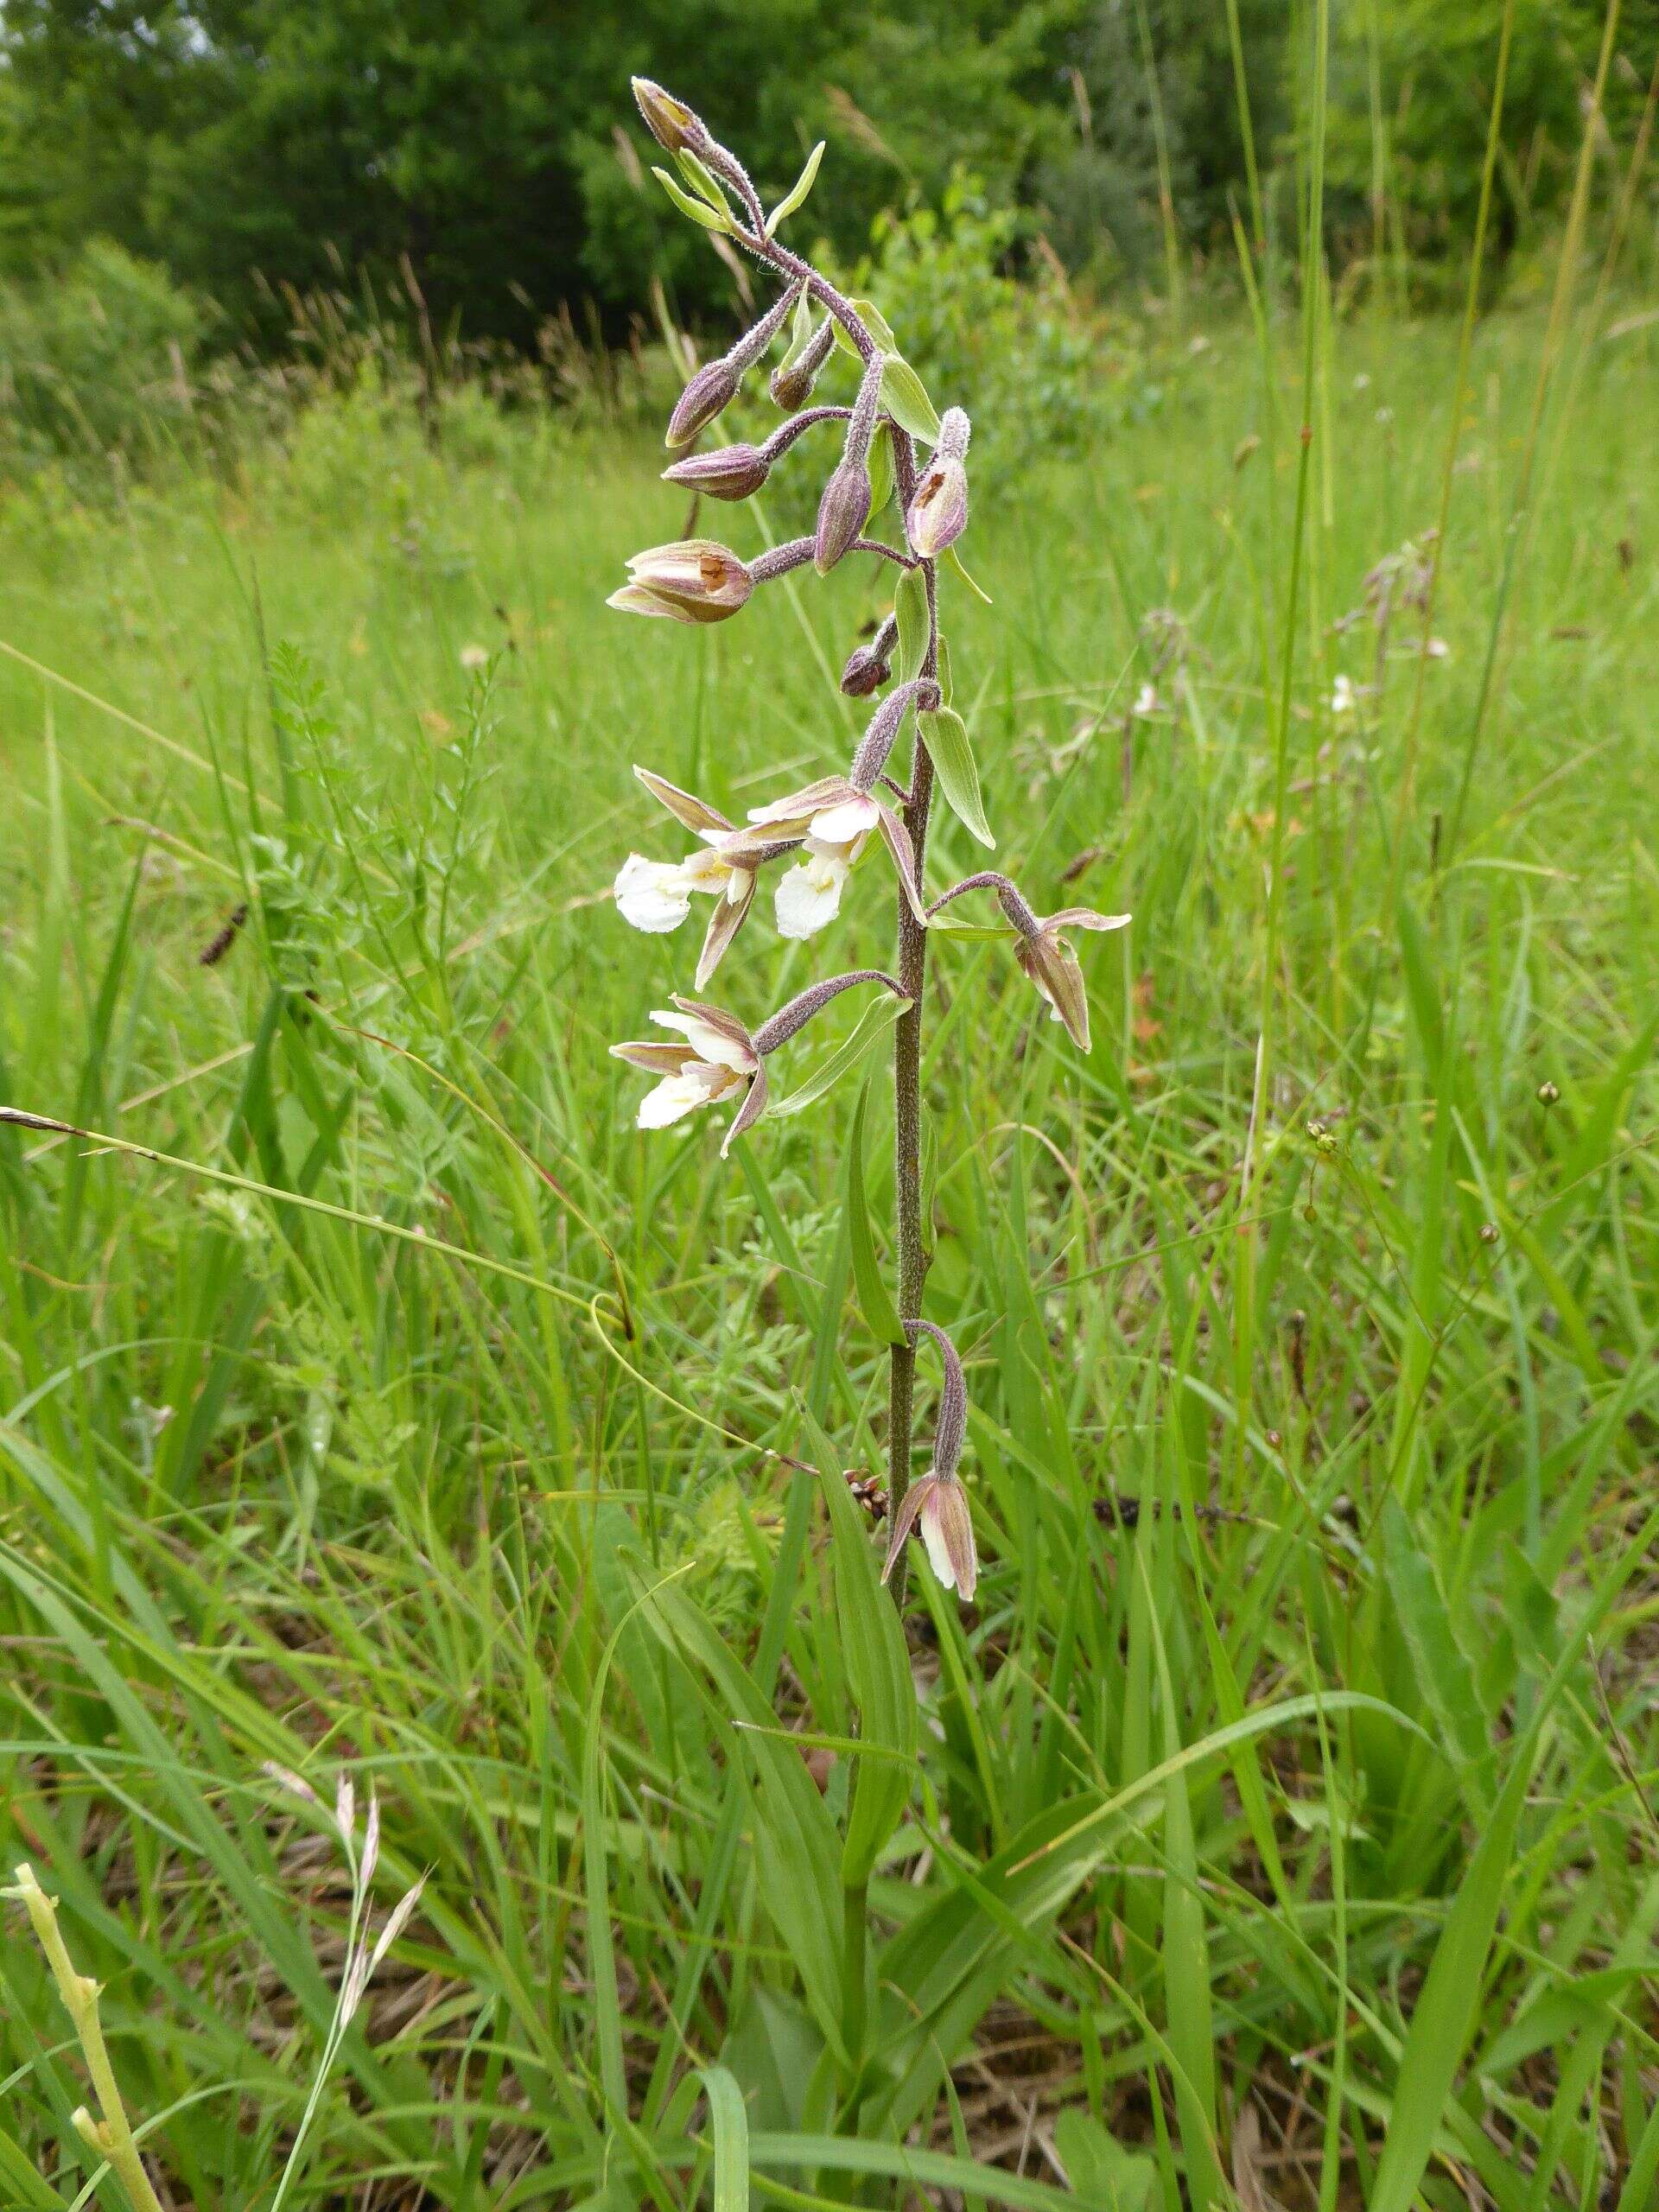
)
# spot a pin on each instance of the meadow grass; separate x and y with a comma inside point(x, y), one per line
point(1283, 1818)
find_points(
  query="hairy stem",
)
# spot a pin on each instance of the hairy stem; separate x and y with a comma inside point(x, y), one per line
point(907, 1075)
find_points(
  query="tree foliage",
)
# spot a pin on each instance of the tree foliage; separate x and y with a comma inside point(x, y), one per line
point(249, 145)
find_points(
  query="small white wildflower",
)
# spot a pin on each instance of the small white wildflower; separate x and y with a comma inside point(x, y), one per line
point(717, 1060)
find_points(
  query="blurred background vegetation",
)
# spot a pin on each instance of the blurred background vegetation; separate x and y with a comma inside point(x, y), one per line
point(251, 150)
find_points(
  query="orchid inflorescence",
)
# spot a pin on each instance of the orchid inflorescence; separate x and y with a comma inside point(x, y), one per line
point(815, 836)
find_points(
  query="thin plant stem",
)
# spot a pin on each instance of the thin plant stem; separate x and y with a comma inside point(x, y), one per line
point(912, 954)
point(1262, 1092)
point(111, 2137)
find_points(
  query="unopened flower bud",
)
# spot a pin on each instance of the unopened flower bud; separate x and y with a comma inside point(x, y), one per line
point(842, 513)
point(791, 384)
point(870, 665)
point(1547, 1094)
point(938, 508)
point(670, 123)
point(725, 472)
point(691, 580)
point(714, 386)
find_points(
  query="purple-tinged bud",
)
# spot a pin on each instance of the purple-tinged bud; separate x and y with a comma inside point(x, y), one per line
point(714, 386)
point(869, 666)
point(791, 384)
point(938, 509)
point(670, 123)
point(725, 472)
point(842, 513)
point(691, 580)
point(845, 507)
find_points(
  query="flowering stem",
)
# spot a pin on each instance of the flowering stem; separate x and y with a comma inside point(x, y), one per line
point(907, 1066)
point(911, 962)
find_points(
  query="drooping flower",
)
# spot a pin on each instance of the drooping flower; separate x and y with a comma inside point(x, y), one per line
point(656, 895)
point(1052, 966)
point(833, 818)
point(693, 579)
point(938, 1500)
point(719, 1057)
point(937, 513)
point(717, 1060)
point(1040, 947)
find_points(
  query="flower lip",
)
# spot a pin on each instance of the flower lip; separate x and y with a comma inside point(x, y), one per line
point(656, 895)
point(717, 1060)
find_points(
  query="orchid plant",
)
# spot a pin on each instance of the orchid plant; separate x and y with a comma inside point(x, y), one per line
point(893, 440)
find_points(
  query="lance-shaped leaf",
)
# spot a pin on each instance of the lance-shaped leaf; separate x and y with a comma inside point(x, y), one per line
point(906, 399)
point(873, 1294)
point(874, 1024)
point(698, 209)
point(797, 191)
point(878, 1673)
point(946, 736)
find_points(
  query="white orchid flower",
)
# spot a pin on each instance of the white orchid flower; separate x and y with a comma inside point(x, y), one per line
point(717, 1060)
point(809, 895)
point(656, 895)
point(716, 1057)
